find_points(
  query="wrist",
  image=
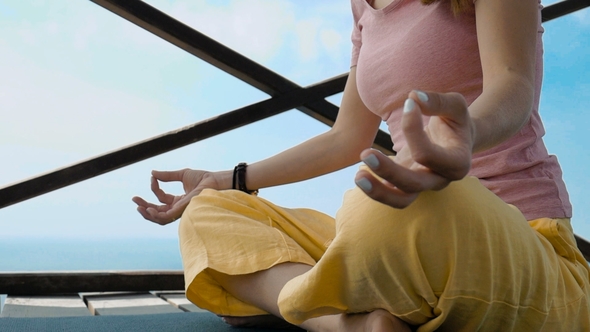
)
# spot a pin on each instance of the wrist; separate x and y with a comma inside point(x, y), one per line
point(224, 179)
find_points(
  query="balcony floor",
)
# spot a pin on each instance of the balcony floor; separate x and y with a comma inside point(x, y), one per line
point(114, 311)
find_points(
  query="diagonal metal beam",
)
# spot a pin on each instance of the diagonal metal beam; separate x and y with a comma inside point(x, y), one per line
point(224, 58)
point(84, 170)
point(563, 8)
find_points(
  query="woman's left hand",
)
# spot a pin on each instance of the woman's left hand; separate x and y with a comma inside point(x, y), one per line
point(434, 155)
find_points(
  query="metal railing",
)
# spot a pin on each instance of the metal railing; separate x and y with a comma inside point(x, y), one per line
point(285, 95)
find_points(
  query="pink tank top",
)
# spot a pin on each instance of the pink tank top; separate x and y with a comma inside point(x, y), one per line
point(407, 46)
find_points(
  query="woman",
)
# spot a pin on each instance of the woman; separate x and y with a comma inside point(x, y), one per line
point(466, 229)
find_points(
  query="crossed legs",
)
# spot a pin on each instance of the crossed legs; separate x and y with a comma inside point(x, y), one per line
point(262, 290)
point(416, 263)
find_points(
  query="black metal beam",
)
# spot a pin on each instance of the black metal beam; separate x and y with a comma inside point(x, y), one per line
point(563, 8)
point(45, 283)
point(584, 246)
point(84, 170)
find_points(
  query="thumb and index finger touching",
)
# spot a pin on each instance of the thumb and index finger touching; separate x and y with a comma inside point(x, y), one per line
point(161, 214)
point(165, 176)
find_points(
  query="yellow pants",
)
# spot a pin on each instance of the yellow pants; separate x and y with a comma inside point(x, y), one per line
point(459, 259)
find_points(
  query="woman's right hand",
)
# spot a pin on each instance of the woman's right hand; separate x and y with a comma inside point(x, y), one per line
point(172, 207)
point(434, 155)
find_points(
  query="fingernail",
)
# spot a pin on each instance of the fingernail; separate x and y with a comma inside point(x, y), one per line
point(371, 161)
point(409, 105)
point(421, 95)
point(364, 184)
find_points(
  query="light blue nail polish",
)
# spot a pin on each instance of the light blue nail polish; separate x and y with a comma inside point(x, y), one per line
point(364, 184)
point(421, 95)
point(371, 161)
point(409, 105)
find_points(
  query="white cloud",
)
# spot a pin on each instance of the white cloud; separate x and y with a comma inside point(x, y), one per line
point(263, 29)
point(48, 108)
point(332, 40)
point(83, 34)
point(27, 34)
point(307, 39)
point(255, 28)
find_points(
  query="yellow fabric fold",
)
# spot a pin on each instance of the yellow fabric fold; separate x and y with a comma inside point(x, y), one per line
point(456, 259)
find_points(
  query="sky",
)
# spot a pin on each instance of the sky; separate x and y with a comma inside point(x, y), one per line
point(77, 81)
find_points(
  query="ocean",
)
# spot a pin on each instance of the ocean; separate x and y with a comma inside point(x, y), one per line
point(35, 254)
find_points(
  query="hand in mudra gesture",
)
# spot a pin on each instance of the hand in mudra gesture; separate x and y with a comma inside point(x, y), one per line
point(193, 182)
point(434, 155)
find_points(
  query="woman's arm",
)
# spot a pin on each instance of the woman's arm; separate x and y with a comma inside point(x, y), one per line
point(354, 130)
point(507, 38)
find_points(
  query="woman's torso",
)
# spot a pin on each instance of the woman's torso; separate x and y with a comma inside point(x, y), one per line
point(405, 45)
